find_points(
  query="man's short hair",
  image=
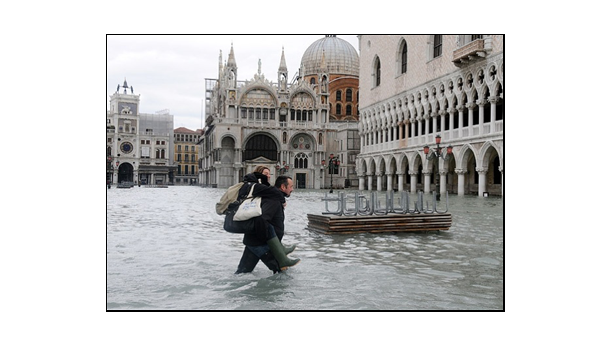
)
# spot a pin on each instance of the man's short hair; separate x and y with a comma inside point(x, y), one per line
point(282, 181)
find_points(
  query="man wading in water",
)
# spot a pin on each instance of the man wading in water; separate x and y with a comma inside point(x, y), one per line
point(264, 242)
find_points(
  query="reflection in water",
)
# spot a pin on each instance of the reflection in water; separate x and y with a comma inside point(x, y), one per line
point(166, 249)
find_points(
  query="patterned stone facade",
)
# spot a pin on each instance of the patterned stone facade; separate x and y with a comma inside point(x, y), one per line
point(416, 87)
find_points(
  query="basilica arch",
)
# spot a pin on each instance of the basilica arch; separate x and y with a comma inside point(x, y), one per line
point(261, 144)
point(258, 102)
point(258, 94)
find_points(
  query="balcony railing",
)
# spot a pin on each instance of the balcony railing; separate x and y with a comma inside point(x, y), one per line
point(471, 51)
point(470, 132)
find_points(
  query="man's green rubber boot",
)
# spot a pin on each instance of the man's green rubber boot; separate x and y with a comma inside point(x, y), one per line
point(278, 251)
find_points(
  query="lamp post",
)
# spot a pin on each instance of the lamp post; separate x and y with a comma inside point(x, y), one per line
point(333, 163)
point(109, 170)
point(282, 169)
point(436, 155)
point(116, 169)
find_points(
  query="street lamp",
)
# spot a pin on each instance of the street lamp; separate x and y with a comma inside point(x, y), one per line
point(282, 169)
point(333, 163)
point(436, 156)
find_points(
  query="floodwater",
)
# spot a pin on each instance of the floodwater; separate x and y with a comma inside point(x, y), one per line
point(166, 250)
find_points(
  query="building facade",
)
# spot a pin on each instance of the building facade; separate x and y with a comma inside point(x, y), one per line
point(139, 147)
point(186, 156)
point(292, 127)
point(414, 88)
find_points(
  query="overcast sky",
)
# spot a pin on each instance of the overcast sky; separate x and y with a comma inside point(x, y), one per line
point(168, 72)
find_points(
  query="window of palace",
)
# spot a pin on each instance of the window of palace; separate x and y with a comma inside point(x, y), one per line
point(403, 57)
point(377, 69)
point(438, 46)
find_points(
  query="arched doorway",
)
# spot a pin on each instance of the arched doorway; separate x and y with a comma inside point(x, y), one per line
point(260, 145)
point(491, 163)
point(125, 173)
point(225, 172)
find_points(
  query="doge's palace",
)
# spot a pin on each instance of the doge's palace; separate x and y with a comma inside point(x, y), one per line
point(414, 88)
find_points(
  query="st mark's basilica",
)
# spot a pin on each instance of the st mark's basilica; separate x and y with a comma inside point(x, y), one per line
point(292, 127)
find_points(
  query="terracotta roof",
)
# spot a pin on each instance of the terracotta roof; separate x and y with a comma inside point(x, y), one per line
point(184, 130)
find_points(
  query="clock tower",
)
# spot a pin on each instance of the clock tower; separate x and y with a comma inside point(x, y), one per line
point(124, 148)
point(139, 146)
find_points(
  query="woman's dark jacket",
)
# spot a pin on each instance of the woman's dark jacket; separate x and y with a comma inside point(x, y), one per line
point(272, 205)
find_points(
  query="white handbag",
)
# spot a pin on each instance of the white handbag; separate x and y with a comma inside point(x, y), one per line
point(249, 208)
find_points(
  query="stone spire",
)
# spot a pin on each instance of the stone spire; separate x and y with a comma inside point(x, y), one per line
point(282, 74)
point(231, 62)
point(220, 65)
point(231, 70)
point(283, 67)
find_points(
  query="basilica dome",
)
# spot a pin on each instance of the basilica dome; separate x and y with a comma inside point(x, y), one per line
point(340, 57)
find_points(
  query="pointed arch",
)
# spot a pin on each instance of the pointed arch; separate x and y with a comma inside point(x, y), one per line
point(486, 153)
point(372, 166)
point(465, 153)
point(361, 166)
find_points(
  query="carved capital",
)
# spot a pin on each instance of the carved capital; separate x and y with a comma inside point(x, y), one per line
point(461, 171)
